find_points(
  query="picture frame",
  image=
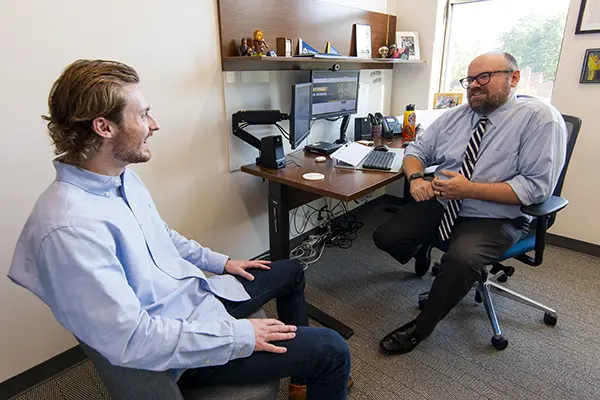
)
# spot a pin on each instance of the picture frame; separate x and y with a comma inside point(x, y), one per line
point(408, 44)
point(588, 20)
point(590, 70)
point(446, 100)
point(362, 40)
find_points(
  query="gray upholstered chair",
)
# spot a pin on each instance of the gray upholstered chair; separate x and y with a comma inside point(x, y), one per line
point(128, 383)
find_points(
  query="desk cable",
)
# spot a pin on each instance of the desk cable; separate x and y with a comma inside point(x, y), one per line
point(341, 231)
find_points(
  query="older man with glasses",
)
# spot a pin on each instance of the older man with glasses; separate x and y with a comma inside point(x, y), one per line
point(494, 154)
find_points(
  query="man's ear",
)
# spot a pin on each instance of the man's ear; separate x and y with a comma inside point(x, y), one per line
point(103, 127)
point(515, 78)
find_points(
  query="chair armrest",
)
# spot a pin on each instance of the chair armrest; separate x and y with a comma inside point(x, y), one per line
point(550, 206)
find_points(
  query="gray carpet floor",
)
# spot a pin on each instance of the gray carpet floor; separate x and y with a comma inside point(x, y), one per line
point(373, 294)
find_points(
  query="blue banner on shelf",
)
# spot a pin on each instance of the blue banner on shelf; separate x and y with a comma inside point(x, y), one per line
point(305, 48)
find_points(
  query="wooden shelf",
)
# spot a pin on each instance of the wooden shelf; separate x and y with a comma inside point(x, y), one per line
point(306, 63)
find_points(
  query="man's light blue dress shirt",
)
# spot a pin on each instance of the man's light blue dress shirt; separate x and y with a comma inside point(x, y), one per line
point(524, 145)
point(96, 251)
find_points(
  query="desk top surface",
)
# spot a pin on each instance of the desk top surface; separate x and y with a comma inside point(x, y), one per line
point(339, 183)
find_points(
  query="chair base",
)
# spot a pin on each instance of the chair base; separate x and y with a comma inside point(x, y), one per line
point(484, 288)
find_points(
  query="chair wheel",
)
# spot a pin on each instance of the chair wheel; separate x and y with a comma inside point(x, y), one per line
point(435, 269)
point(423, 300)
point(503, 278)
point(550, 319)
point(509, 271)
point(499, 342)
point(478, 298)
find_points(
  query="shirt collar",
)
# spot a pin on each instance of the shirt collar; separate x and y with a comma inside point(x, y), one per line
point(101, 185)
point(496, 117)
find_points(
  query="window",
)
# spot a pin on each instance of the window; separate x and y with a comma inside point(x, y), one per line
point(531, 30)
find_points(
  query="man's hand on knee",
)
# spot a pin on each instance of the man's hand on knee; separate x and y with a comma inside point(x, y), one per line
point(421, 189)
point(268, 330)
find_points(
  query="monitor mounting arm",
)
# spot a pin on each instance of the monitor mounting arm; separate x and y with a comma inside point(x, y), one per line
point(343, 138)
point(255, 117)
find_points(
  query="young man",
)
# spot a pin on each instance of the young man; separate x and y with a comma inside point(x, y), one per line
point(96, 251)
point(493, 155)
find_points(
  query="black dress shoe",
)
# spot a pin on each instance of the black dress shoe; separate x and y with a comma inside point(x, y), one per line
point(423, 260)
point(400, 341)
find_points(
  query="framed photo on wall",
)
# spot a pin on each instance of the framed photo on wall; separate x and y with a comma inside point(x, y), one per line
point(446, 100)
point(590, 71)
point(588, 20)
point(408, 45)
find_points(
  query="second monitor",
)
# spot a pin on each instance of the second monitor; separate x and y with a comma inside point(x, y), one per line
point(334, 93)
point(300, 114)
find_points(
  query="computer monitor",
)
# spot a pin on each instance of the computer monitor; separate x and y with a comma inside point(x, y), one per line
point(334, 93)
point(300, 113)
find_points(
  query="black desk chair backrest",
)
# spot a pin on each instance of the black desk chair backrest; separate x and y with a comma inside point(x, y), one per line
point(544, 213)
point(573, 125)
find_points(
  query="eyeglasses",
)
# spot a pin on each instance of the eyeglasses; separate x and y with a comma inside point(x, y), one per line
point(482, 79)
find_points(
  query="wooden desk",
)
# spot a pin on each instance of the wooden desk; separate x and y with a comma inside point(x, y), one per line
point(288, 190)
point(339, 183)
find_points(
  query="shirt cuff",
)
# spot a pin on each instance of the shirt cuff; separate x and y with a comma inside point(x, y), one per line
point(243, 333)
point(216, 263)
point(518, 184)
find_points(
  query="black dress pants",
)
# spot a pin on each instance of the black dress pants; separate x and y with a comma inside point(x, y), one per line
point(473, 244)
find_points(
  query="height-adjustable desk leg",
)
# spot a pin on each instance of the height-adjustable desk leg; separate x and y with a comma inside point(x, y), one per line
point(282, 198)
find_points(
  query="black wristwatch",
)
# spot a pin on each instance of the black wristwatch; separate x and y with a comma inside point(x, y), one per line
point(416, 175)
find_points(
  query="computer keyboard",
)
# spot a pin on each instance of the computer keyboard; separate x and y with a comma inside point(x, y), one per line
point(379, 160)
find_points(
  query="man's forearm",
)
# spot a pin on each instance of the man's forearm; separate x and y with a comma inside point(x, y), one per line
point(495, 192)
point(411, 165)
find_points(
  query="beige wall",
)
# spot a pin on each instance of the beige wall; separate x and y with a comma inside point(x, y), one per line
point(581, 219)
point(174, 48)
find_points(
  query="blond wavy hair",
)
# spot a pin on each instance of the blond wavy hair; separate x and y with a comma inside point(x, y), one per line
point(86, 89)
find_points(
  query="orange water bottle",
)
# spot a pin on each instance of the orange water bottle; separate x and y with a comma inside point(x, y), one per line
point(410, 122)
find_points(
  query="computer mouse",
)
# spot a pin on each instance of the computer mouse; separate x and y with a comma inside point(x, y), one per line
point(381, 147)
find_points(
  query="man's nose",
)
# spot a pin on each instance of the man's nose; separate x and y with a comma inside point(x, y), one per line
point(154, 126)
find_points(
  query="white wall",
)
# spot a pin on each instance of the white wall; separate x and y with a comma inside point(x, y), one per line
point(581, 219)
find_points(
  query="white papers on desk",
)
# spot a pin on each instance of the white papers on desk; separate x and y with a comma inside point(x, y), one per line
point(351, 154)
point(396, 166)
point(426, 117)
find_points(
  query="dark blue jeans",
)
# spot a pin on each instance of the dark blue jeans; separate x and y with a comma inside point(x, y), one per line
point(318, 356)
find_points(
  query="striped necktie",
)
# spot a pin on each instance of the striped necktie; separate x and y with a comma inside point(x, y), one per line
point(468, 165)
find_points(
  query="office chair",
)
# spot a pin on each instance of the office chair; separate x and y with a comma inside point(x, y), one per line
point(129, 383)
point(544, 216)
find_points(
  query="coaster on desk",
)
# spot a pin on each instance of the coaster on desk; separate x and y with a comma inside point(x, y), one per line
point(313, 176)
